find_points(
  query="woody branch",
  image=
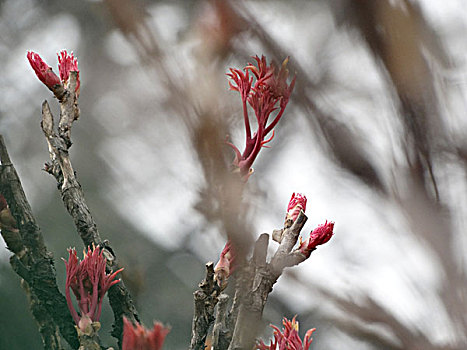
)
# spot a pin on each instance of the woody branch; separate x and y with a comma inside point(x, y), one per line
point(32, 261)
point(59, 142)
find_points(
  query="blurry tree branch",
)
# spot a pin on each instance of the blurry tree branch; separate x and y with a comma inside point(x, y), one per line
point(396, 35)
point(369, 312)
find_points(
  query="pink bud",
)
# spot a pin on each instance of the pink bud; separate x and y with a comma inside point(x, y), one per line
point(318, 236)
point(296, 204)
point(66, 64)
point(267, 92)
point(43, 70)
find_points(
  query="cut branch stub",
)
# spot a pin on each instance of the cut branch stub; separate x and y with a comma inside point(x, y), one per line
point(289, 239)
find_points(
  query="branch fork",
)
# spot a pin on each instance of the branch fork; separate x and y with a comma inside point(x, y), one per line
point(255, 280)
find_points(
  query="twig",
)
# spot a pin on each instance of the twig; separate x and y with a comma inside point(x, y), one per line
point(33, 262)
point(72, 194)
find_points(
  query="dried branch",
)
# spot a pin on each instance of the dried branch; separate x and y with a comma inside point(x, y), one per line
point(89, 339)
point(74, 201)
point(33, 262)
point(206, 299)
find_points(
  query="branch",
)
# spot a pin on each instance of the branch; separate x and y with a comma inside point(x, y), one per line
point(33, 262)
point(219, 333)
point(206, 299)
point(72, 195)
point(47, 327)
point(283, 257)
point(258, 279)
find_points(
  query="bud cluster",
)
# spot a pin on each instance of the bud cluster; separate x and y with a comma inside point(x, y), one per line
point(89, 282)
point(268, 93)
point(318, 236)
point(288, 338)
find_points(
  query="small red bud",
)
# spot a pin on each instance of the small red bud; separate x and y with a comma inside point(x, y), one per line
point(296, 204)
point(43, 70)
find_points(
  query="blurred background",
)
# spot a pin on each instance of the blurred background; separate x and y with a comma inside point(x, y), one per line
point(375, 135)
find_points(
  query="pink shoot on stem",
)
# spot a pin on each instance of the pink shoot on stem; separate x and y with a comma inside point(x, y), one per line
point(267, 92)
point(287, 338)
point(225, 266)
point(68, 63)
point(89, 282)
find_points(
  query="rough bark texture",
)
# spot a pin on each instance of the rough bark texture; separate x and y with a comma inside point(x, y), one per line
point(34, 263)
point(206, 299)
point(89, 339)
point(219, 336)
point(47, 327)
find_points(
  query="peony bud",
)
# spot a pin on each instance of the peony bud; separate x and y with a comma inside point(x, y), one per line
point(296, 204)
point(89, 282)
point(43, 70)
point(66, 64)
point(267, 92)
point(318, 236)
